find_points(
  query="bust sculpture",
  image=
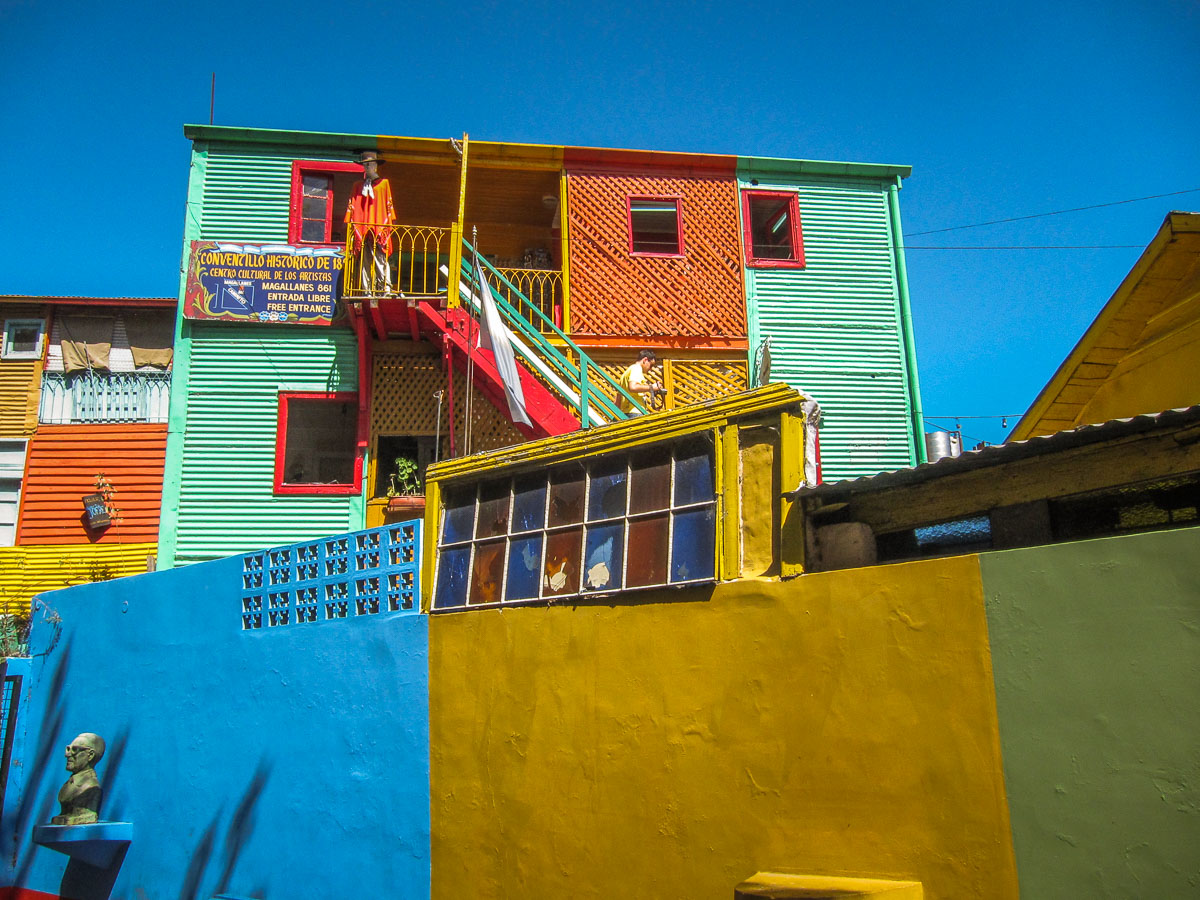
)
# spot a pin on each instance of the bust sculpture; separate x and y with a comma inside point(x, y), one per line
point(80, 796)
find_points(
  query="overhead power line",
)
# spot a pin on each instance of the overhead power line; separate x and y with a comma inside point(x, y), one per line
point(1057, 212)
point(1038, 247)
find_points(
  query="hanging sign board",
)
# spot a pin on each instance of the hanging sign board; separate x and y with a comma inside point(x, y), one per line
point(96, 511)
point(262, 283)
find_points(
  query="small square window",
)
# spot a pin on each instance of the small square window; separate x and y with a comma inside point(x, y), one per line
point(316, 445)
point(654, 226)
point(23, 338)
point(771, 229)
point(320, 193)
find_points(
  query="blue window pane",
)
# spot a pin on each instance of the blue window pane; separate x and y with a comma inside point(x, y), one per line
point(458, 520)
point(602, 558)
point(524, 567)
point(692, 545)
point(693, 478)
point(453, 566)
point(529, 504)
point(606, 497)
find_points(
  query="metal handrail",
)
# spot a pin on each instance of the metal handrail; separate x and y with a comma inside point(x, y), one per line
point(415, 255)
point(543, 287)
point(579, 375)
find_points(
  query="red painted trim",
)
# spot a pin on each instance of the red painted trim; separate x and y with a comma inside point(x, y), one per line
point(20, 893)
point(661, 198)
point(365, 385)
point(282, 487)
point(296, 202)
point(797, 232)
point(641, 161)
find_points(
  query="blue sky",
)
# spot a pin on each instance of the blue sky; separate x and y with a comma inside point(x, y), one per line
point(1002, 110)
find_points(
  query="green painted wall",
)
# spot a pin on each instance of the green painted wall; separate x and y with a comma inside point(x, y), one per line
point(835, 325)
point(1096, 656)
point(217, 492)
point(226, 499)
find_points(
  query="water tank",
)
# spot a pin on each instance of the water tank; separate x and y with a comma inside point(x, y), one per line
point(940, 444)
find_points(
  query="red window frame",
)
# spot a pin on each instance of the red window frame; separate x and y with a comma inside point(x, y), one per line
point(797, 261)
point(296, 203)
point(282, 487)
point(678, 201)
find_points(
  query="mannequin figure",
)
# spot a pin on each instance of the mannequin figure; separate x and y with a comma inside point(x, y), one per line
point(369, 219)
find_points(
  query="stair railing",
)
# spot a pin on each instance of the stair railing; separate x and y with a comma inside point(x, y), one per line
point(580, 390)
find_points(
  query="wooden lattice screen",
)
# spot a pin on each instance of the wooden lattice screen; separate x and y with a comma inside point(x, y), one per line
point(616, 294)
point(403, 402)
point(688, 381)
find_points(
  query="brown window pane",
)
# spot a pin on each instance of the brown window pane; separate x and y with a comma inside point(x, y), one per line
point(487, 572)
point(320, 441)
point(646, 561)
point(566, 497)
point(560, 575)
point(493, 510)
point(650, 482)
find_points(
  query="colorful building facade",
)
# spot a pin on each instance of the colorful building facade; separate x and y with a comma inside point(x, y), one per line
point(591, 255)
point(84, 392)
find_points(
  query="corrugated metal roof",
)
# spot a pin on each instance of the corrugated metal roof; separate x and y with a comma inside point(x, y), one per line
point(1002, 454)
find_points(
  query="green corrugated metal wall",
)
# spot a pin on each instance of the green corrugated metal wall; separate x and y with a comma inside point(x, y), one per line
point(835, 325)
point(226, 501)
point(246, 195)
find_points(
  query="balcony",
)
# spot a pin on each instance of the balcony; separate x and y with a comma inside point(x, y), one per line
point(96, 396)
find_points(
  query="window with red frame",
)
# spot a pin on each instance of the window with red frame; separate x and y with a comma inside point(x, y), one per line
point(771, 223)
point(320, 193)
point(654, 226)
point(316, 444)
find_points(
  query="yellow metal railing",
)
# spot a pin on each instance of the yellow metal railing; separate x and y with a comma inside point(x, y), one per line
point(416, 254)
point(539, 288)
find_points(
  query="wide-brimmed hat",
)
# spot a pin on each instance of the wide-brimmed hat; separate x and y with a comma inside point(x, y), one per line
point(369, 156)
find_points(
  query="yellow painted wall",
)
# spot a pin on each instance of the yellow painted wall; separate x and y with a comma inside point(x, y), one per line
point(29, 570)
point(841, 723)
point(1161, 374)
point(20, 394)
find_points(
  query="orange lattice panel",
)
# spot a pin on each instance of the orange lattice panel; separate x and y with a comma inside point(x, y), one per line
point(614, 293)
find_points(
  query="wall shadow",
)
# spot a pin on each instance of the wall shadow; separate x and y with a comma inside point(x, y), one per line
point(82, 881)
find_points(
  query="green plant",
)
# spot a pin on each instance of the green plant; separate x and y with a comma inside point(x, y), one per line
point(14, 635)
point(406, 480)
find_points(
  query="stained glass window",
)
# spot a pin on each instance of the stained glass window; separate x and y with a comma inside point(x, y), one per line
point(621, 521)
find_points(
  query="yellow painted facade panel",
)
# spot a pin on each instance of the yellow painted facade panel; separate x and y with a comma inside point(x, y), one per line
point(1165, 375)
point(29, 570)
point(843, 723)
point(20, 392)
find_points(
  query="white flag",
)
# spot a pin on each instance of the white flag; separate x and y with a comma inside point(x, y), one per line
point(494, 336)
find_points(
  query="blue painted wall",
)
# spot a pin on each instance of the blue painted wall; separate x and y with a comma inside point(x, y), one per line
point(270, 763)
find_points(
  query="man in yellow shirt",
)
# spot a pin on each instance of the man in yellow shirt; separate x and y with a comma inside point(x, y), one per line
point(634, 381)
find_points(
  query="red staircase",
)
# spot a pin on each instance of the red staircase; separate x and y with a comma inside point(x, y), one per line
point(546, 411)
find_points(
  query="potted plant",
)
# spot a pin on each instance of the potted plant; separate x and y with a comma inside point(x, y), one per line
point(406, 489)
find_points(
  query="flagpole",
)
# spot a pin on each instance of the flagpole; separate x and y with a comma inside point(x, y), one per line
point(469, 425)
